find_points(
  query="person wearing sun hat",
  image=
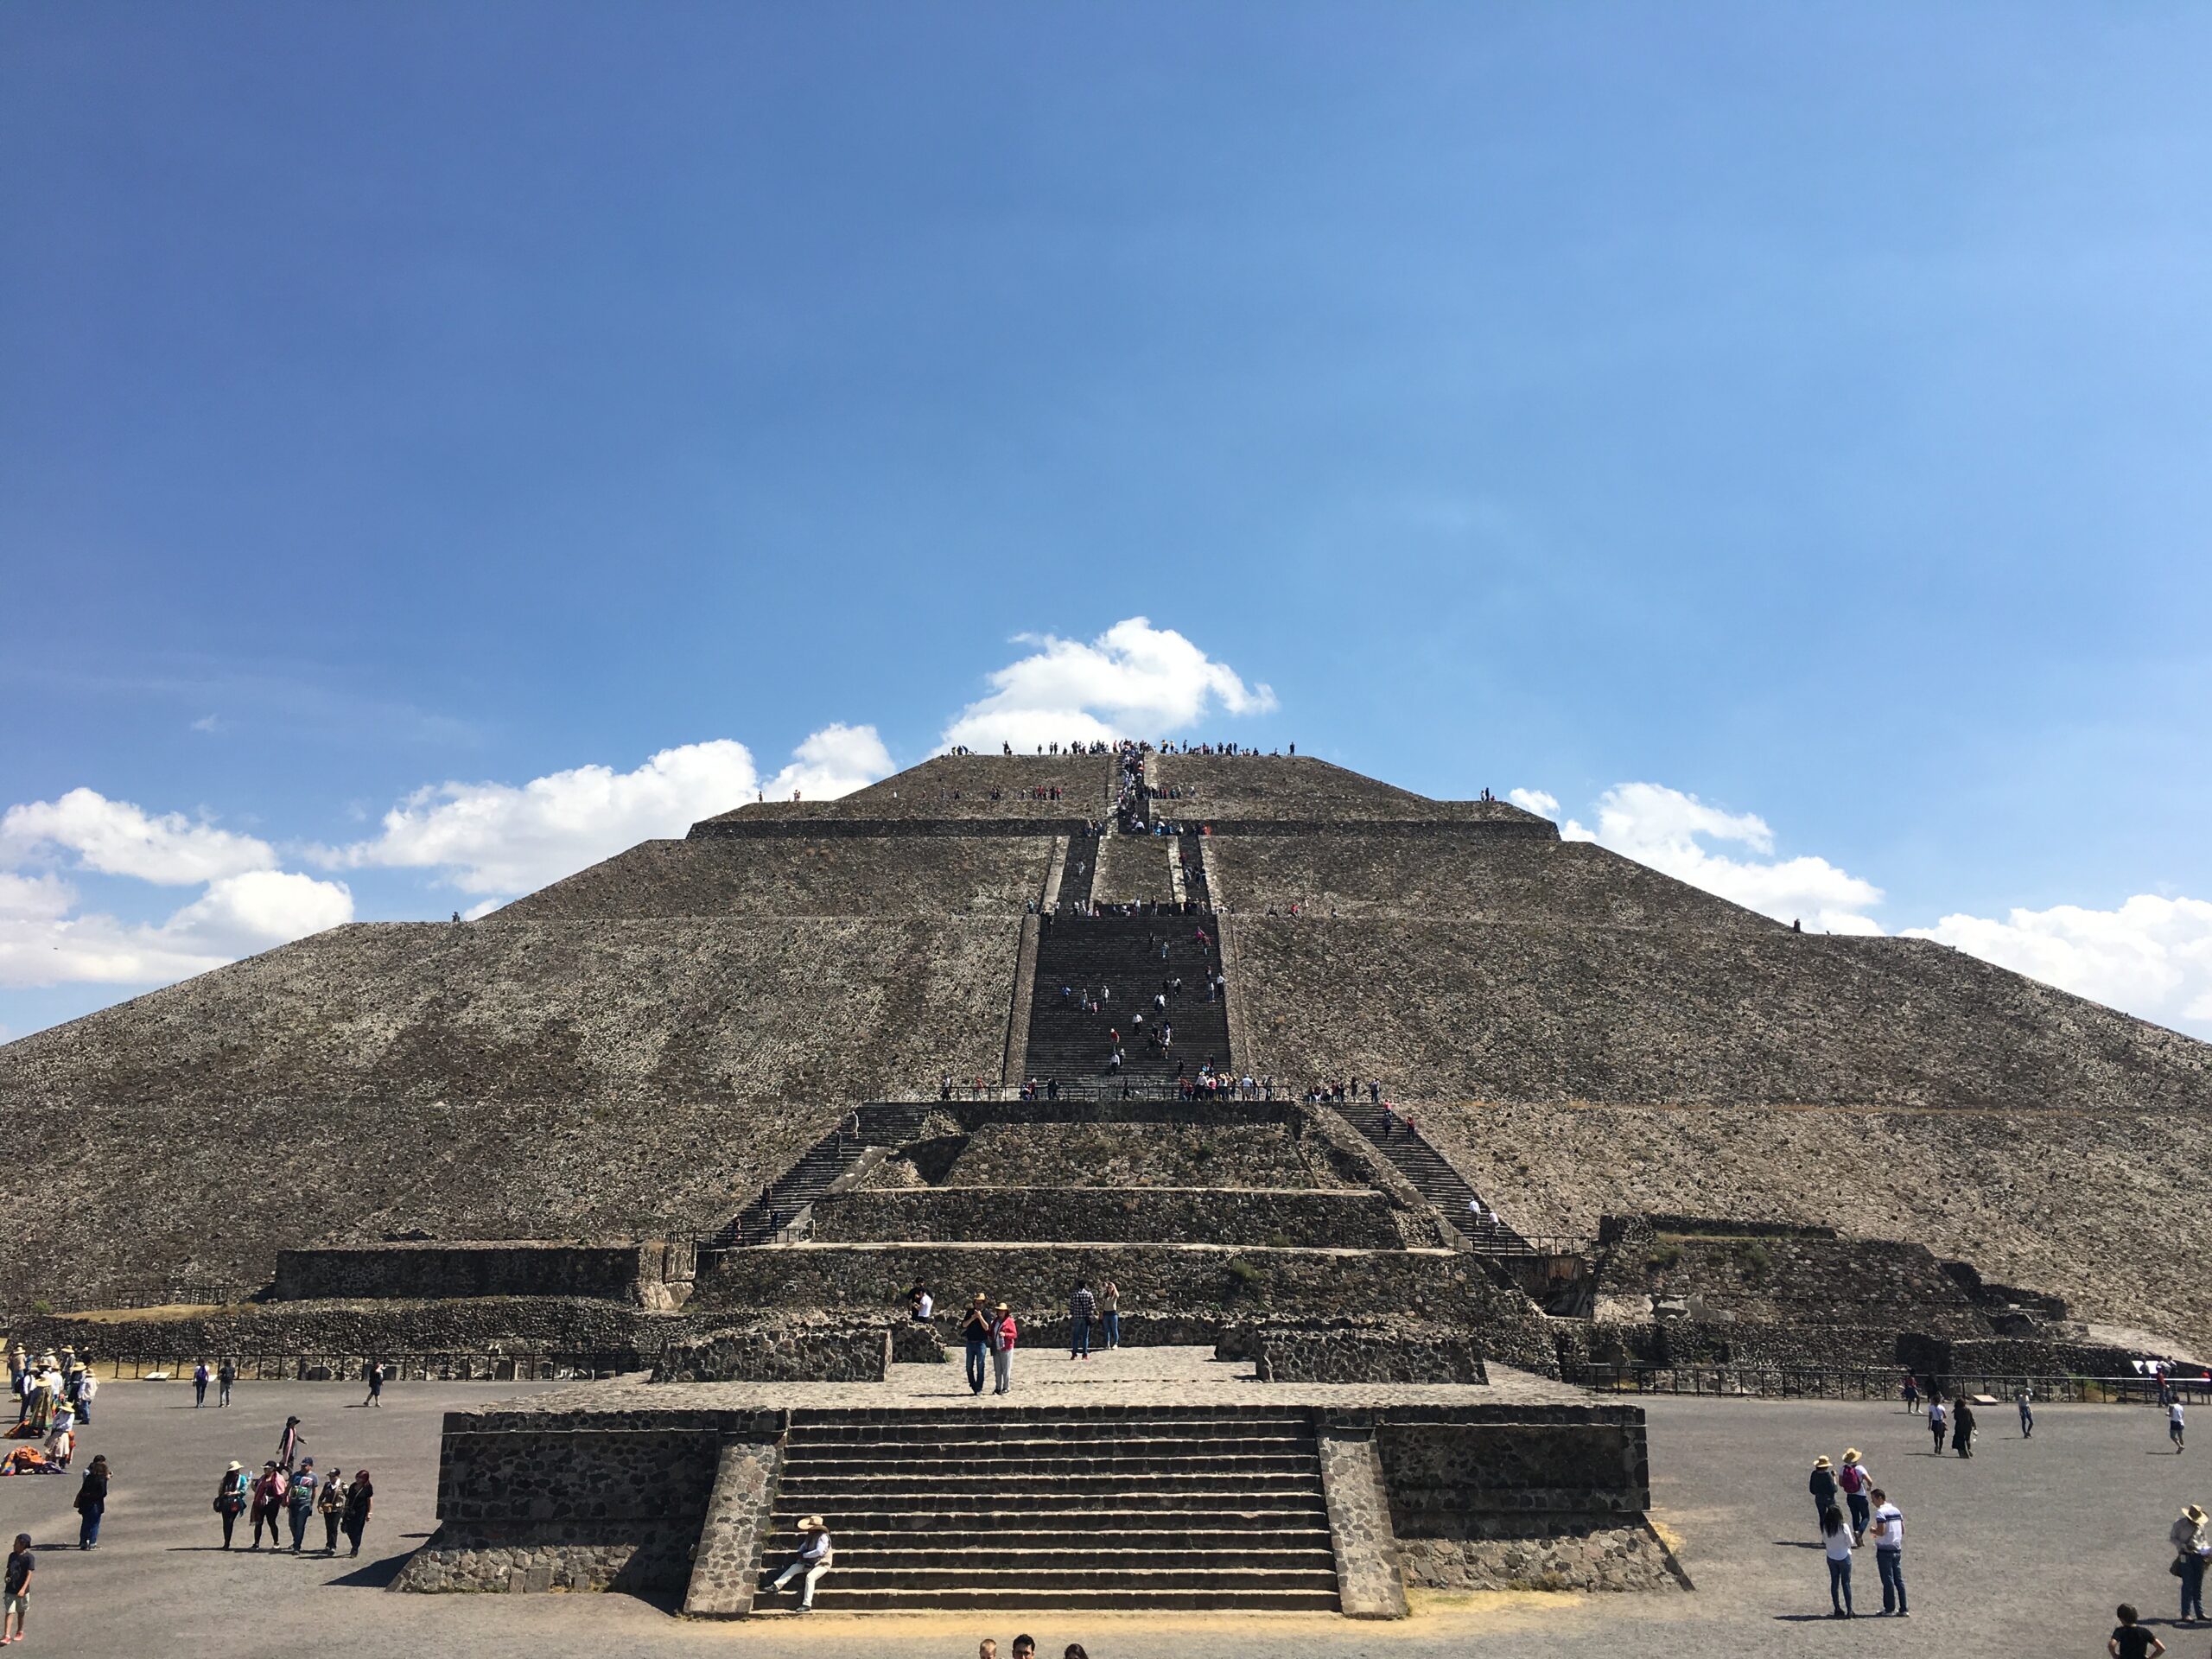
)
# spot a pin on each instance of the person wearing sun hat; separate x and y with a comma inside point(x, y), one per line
point(230, 1498)
point(813, 1559)
point(1856, 1484)
point(1822, 1487)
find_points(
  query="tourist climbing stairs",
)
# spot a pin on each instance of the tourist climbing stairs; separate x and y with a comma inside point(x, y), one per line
point(1437, 1181)
point(1190, 1508)
point(787, 1197)
point(1080, 873)
point(1123, 954)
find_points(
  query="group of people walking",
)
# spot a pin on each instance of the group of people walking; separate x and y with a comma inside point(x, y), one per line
point(289, 1492)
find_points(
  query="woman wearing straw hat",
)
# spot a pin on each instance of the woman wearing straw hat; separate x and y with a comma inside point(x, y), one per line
point(1822, 1487)
point(814, 1559)
point(2191, 1545)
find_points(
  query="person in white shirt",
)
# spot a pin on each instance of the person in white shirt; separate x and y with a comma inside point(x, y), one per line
point(813, 1559)
point(1889, 1553)
point(2173, 1424)
point(1836, 1539)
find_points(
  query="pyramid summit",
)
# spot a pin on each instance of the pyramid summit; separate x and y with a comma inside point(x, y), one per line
point(641, 1047)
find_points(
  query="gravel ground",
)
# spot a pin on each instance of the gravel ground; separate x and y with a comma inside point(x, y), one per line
point(2021, 1552)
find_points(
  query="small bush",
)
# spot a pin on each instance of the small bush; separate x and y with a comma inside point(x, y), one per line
point(1279, 1241)
point(1243, 1276)
point(1664, 1254)
point(41, 1307)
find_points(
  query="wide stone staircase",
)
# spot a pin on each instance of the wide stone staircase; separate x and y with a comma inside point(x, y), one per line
point(1070, 1047)
point(1216, 1507)
point(1437, 1182)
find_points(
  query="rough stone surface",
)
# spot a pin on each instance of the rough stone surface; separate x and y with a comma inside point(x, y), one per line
point(1452, 1010)
point(1560, 1553)
point(1122, 1155)
point(780, 1351)
point(1387, 1352)
point(2100, 1209)
point(1095, 1214)
point(927, 876)
point(1370, 1581)
point(1134, 869)
point(531, 1079)
point(651, 1273)
point(727, 1565)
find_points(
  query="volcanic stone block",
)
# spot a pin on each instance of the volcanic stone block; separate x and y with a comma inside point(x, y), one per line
point(1371, 1583)
point(728, 1564)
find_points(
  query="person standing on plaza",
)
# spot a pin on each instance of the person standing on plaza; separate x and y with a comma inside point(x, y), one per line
point(2025, 1400)
point(1852, 1479)
point(2190, 1543)
point(1911, 1392)
point(1836, 1541)
point(373, 1372)
point(2174, 1423)
point(1004, 1335)
point(268, 1505)
point(1080, 1307)
point(199, 1383)
point(288, 1446)
point(1822, 1485)
point(976, 1333)
point(299, 1504)
point(91, 1506)
point(15, 1603)
point(1109, 1313)
point(225, 1375)
point(2129, 1640)
point(359, 1497)
point(87, 1386)
point(1962, 1426)
point(1938, 1420)
point(330, 1504)
point(1889, 1553)
point(230, 1498)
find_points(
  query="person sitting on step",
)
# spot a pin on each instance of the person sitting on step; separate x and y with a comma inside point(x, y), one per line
point(813, 1559)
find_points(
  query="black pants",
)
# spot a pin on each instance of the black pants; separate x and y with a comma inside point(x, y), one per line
point(199, 1393)
point(230, 1524)
point(330, 1518)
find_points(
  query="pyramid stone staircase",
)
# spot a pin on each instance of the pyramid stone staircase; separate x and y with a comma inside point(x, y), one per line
point(786, 1200)
point(1070, 1045)
point(1438, 1182)
point(1219, 1508)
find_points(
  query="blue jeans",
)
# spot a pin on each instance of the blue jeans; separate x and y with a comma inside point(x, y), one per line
point(2192, 1586)
point(1079, 1339)
point(1840, 1585)
point(975, 1351)
point(1861, 1511)
point(88, 1527)
point(1113, 1330)
point(1889, 1563)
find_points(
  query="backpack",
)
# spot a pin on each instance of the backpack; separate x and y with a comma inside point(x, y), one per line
point(1851, 1479)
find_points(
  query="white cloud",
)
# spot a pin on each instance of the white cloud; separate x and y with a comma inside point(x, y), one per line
point(501, 838)
point(1543, 803)
point(248, 912)
point(209, 723)
point(836, 760)
point(117, 838)
point(1134, 680)
point(2152, 955)
point(44, 943)
point(1668, 829)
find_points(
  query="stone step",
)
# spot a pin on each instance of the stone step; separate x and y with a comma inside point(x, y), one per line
point(882, 1454)
point(1027, 1532)
point(1133, 1598)
point(1063, 1462)
point(916, 1577)
point(1078, 1560)
point(1102, 1488)
point(1030, 1422)
point(1083, 1508)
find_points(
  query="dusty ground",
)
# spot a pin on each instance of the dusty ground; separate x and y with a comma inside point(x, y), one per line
point(2021, 1552)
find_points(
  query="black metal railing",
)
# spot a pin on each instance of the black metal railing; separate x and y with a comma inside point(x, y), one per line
point(1870, 1383)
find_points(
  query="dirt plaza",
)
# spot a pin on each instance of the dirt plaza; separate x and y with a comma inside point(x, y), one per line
point(2024, 1550)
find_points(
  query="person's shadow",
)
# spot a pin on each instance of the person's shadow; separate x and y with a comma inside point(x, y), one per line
point(376, 1575)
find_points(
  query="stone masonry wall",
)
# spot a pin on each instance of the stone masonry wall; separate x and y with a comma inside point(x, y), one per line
point(1444, 1010)
point(650, 1273)
point(1120, 1156)
point(1394, 1352)
point(1134, 869)
point(1216, 1283)
point(831, 875)
point(549, 1080)
point(781, 1352)
point(1090, 1214)
point(608, 1504)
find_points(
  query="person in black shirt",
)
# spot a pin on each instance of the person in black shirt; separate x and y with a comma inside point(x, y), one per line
point(21, 1565)
point(2131, 1641)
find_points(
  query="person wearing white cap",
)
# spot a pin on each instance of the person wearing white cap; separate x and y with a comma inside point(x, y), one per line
point(813, 1560)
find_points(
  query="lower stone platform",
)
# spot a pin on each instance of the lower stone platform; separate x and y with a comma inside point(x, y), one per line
point(1157, 1478)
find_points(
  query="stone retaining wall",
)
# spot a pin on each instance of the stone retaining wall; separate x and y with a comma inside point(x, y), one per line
point(648, 1272)
point(1105, 1215)
point(780, 1352)
point(1308, 1353)
point(1218, 1282)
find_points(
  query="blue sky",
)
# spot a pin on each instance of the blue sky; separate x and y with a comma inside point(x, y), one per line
point(1804, 411)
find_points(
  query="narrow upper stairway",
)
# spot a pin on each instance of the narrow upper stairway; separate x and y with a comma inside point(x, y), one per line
point(1218, 1509)
point(1437, 1181)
